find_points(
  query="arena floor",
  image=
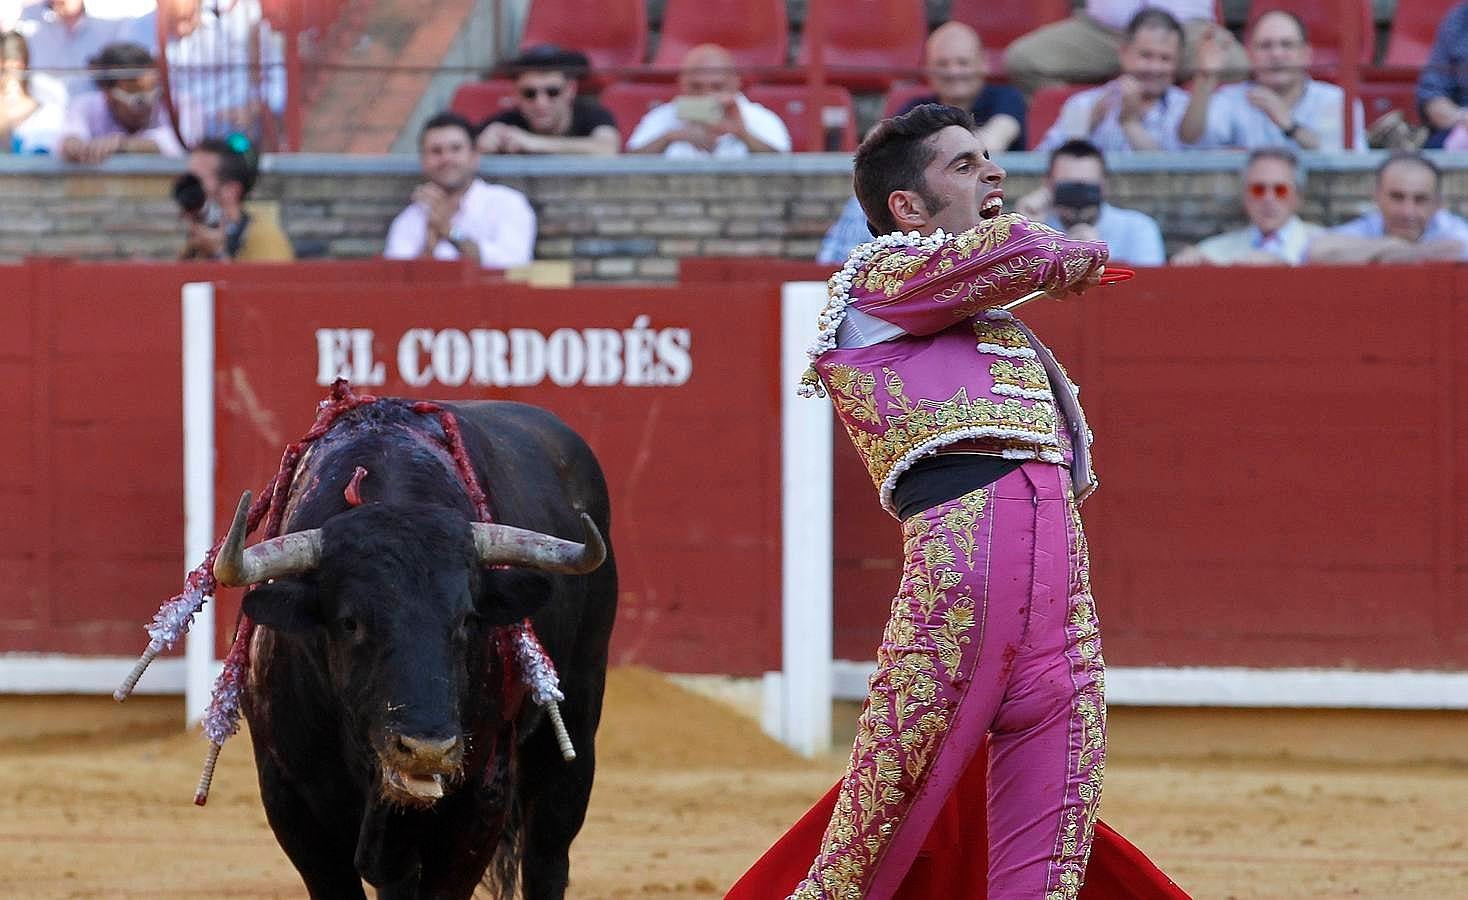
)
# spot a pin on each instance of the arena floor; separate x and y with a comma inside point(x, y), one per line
point(1233, 804)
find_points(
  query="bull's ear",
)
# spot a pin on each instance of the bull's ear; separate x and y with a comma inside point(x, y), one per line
point(285, 605)
point(509, 595)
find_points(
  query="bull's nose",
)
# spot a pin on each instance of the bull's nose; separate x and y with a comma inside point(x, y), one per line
point(427, 748)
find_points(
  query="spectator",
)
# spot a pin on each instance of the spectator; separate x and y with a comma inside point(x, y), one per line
point(1086, 48)
point(226, 65)
point(1276, 235)
point(457, 214)
point(64, 38)
point(27, 124)
point(123, 115)
point(1073, 200)
point(1442, 88)
point(1407, 225)
point(848, 231)
point(1282, 106)
point(954, 62)
point(1141, 108)
point(548, 116)
point(229, 226)
point(710, 117)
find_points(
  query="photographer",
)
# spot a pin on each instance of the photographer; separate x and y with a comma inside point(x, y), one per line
point(1073, 200)
point(212, 201)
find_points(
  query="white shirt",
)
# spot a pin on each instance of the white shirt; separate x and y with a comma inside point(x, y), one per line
point(1118, 13)
point(1161, 120)
point(763, 124)
point(211, 69)
point(496, 218)
point(1288, 243)
point(1235, 122)
point(88, 117)
point(40, 131)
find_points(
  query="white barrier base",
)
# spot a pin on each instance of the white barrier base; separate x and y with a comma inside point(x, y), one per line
point(54, 673)
point(1240, 687)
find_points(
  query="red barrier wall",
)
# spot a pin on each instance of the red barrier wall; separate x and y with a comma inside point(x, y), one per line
point(1283, 476)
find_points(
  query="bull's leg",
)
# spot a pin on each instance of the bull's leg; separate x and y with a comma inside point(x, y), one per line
point(555, 794)
point(321, 853)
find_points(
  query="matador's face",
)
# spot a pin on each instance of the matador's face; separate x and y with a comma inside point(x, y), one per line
point(963, 183)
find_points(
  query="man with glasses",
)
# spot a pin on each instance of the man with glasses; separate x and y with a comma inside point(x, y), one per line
point(1276, 235)
point(548, 116)
point(124, 115)
point(1281, 107)
point(1408, 224)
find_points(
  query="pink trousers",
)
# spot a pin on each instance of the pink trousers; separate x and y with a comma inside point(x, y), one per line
point(993, 631)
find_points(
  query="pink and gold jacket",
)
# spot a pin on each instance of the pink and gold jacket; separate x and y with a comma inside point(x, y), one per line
point(916, 356)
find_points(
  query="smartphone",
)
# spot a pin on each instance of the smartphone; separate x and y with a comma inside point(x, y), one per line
point(703, 110)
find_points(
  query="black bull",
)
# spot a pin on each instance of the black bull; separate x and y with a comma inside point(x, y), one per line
point(390, 736)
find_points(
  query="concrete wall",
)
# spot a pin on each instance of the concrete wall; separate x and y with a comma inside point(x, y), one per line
point(624, 218)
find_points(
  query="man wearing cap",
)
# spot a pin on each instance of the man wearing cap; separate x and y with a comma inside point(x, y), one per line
point(548, 117)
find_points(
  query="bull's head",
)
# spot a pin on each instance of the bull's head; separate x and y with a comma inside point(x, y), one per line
point(399, 598)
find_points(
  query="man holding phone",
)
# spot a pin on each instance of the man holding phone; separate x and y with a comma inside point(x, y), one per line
point(710, 117)
point(1073, 200)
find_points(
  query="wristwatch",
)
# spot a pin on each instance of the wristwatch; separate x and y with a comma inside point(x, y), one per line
point(457, 236)
point(1292, 130)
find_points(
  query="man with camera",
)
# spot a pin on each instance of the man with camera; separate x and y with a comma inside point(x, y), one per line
point(710, 116)
point(221, 224)
point(1073, 200)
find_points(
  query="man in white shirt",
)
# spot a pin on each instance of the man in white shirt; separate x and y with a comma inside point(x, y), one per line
point(124, 115)
point(710, 117)
point(1276, 235)
point(1281, 107)
point(1407, 225)
point(1086, 47)
point(1141, 108)
point(456, 214)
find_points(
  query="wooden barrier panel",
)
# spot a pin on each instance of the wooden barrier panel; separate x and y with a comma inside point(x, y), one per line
point(91, 484)
point(676, 395)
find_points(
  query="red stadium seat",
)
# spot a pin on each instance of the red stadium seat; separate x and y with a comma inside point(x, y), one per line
point(872, 43)
point(1323, 25)
point(479, 100)
point(612, 33)
point(629, 101)
point(901, 95)
point(756, 32)
point(1381, 97)
point(1414, 25)
point(790, 103)
point(999, 24)
point(1044, 109)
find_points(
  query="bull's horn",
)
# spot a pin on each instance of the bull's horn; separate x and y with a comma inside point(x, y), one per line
point(507, 545)
point(289, 554)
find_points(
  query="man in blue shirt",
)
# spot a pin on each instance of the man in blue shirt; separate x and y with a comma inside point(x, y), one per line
point(1073, 200)
point(1407, 225)
point(1442, 88)
point(1281, 107)
point(1141, 108)
point(953, 60)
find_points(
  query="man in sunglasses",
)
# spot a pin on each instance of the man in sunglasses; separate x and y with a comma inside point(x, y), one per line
point(1276, 235)
point(548, 116)
point(124, 115)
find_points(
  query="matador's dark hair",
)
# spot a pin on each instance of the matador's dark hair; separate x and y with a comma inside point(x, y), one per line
point(894, 156)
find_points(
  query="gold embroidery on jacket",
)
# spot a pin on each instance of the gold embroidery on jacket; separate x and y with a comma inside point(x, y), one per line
point(854, 392)
point(1026, 374)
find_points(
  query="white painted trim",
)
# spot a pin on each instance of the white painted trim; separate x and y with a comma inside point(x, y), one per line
point(1240, 687)
point(54, 673)
point(198, 471)
point(805, 527)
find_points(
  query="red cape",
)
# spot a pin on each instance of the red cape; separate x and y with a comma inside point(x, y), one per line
point(947, 865)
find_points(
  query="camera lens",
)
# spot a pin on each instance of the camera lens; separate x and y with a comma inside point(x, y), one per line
point(189, 193)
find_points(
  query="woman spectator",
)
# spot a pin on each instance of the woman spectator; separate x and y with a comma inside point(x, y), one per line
point(27, 125)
